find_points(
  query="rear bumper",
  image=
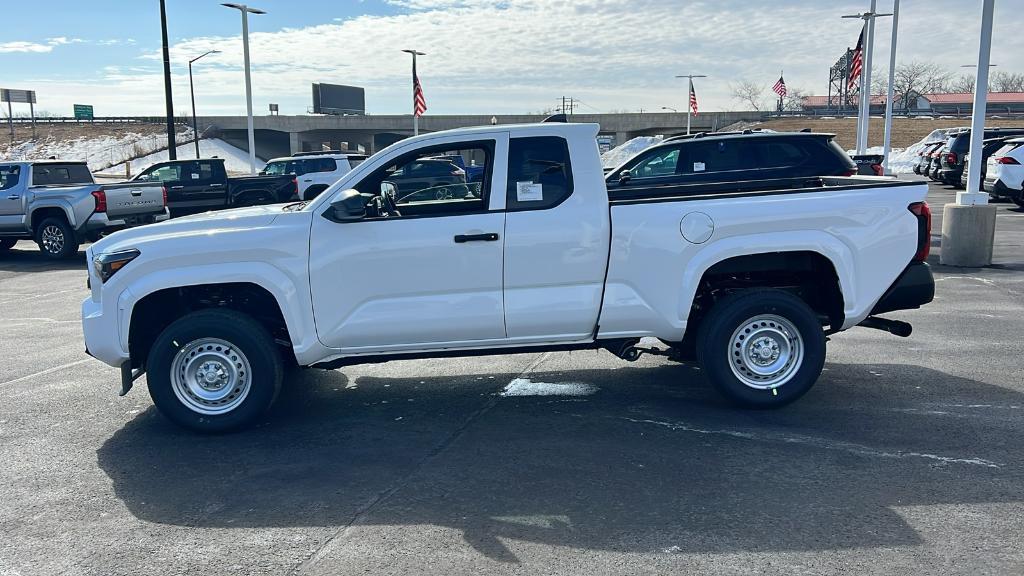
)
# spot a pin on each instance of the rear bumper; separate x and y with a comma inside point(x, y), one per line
point(914, 288)
point(950, 174)
point(100, 221)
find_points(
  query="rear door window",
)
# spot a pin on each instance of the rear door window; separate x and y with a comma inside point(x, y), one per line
point(539, 173)
point(60, 174)
point(716, 156)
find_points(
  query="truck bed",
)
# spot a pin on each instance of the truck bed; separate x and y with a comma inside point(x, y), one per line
point(678, 192)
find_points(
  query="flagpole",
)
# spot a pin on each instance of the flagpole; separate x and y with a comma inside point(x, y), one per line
point(415, 117)
point(689, 107)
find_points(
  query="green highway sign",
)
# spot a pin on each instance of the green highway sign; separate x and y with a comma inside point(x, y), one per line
point(83, 111)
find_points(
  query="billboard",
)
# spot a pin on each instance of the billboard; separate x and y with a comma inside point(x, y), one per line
point(339, 100)
point(16, 96)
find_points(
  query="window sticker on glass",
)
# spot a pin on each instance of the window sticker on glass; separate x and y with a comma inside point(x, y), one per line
point(195, 176)
point(698, 166)
point(529, 192)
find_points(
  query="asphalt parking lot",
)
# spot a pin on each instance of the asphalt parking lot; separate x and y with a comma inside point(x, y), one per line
point(906, 458)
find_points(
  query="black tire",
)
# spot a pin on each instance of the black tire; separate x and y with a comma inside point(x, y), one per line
point(7, 243)
point(313, 191)
point(1019, 201)
point(56, 238)
point(244, 335)
point(721, 339)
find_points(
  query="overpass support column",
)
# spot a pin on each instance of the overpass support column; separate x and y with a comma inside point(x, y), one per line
point(621, 138)
point(294, 142)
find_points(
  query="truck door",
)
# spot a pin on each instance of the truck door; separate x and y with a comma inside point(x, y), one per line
point(12, 190)
point(430, 277)
point(557, 235)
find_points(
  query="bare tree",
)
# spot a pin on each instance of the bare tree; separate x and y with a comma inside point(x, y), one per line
point(749, 93)
point(965, 83)
point(1006, 82)
point(919, 78)
point(794, 99)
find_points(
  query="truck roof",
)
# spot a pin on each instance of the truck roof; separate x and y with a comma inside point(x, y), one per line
point(47, 161)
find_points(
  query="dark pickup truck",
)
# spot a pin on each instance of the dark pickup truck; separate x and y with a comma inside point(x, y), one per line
point(201, 185)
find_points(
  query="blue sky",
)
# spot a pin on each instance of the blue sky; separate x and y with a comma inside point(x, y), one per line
point(510, 56)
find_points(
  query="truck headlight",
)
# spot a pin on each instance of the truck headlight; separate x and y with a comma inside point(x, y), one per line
point(108, 263)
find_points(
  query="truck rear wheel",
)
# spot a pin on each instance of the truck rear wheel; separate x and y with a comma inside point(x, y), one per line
point(761, 348)
point(214, 371)
point(56, 238)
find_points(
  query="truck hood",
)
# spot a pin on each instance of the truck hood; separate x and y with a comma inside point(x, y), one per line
point(209, 224)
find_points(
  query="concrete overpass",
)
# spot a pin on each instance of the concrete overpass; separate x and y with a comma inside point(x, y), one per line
point(284, 135)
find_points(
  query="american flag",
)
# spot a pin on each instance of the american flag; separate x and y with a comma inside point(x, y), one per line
point(780, 88)
point(858, 60)
point(419, 103)
point(693, 98)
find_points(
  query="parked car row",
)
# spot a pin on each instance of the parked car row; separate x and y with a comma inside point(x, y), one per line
point(947, 161)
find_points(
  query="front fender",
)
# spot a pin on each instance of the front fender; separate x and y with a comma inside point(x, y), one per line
point(293, 300)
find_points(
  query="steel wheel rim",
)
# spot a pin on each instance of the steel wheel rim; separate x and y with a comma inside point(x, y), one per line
point(766, 351)
point(53, 239)
point(211, 376)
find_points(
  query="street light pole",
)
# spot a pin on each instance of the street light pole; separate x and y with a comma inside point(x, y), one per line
point(670, 108)
point(890, 93)
point(689, 109)
point(864, 111)
point(246, 10)
point(171, 147)
point(192, 91)
point(415, 118)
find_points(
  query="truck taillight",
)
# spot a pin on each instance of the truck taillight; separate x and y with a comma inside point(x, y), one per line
point(850, 172)
point(164, 190)
point(101, 200)
point(1006, 160)
point(951, 158)
point(877, 169)
point(295, 184)
point(924, 229)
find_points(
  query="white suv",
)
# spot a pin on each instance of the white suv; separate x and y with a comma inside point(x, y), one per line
point(1004, 176)
point(315, 171)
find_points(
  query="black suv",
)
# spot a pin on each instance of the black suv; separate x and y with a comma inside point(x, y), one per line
point(715, 157)
point(951, 158)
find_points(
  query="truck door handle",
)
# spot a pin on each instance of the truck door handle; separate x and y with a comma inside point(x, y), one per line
point(488, 237)
point(13, 197)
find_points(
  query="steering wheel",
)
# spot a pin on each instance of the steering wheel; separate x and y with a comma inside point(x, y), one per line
point(387, 200)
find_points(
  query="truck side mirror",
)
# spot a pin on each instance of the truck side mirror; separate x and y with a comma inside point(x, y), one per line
point(625, 176)
point(350, 206)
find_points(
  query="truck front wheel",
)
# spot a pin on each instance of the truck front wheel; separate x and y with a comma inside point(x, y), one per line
point(56, 238)
point(761, 348)
point(214, 371)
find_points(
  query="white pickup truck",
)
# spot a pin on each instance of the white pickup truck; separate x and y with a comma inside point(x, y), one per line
point(747, 278)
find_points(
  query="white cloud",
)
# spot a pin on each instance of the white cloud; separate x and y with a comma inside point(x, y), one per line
point(487, 56)
point(37, 47)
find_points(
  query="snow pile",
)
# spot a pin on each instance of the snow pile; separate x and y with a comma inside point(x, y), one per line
point(903, 160)
point(526, 387)
point(98, 151)
point(627, 150)
point(236, 160)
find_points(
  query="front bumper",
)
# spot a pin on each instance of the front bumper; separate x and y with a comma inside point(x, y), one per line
point(914, 288)
point(102, 333)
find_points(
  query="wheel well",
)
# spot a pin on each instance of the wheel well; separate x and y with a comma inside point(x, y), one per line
point(44, 213)
point(158, 310)
point(806, 274)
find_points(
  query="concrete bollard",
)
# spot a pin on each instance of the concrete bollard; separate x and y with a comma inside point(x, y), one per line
point(967, 235)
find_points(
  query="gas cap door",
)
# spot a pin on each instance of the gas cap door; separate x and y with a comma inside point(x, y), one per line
point(696, 227)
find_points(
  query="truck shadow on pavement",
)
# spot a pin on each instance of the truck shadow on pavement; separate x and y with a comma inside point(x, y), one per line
point(25, 257)
point(651, 461)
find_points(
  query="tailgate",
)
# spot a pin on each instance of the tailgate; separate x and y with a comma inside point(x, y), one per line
point(130, 199)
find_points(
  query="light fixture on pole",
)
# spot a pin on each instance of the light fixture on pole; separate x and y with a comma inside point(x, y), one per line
point(975, 66)
point(670, 108)
point(691, 96)
point(246, 10)
point(192, 91)
point(864, 111)
point(890, 91)
point(415, 81)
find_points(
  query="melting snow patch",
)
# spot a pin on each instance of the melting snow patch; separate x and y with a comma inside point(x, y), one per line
point(526, 387)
